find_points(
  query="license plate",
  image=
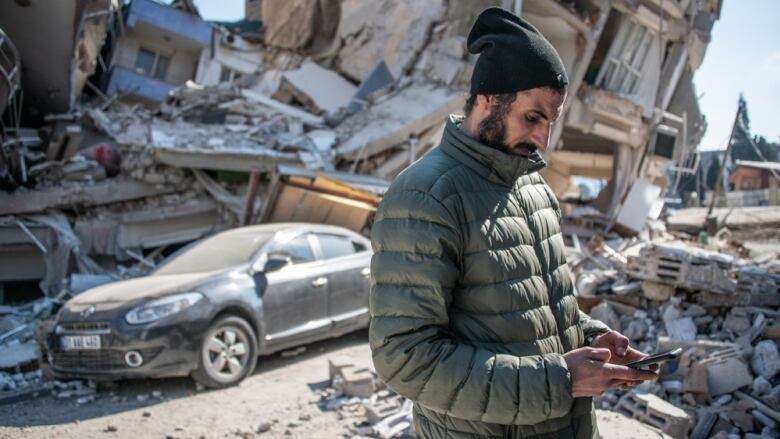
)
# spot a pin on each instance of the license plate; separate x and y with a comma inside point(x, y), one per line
point(78, 342)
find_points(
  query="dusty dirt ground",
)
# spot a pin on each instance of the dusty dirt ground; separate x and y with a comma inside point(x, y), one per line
point(280, 392)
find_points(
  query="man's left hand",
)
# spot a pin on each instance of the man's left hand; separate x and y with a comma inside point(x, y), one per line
point(622, 353)
point(618, 346)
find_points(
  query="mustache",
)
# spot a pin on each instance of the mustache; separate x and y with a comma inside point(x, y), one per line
point(529, 146)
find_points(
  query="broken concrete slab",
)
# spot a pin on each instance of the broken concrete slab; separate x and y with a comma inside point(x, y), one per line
point(298, 24)
point(288, 110)
point(681, 329)
point(104, 192)
point(391, 122)
point(379, 78)
point(726, 372)
point(321, 88)
point(390, 30)
point(175, 221)
point(224, 159)
point(606, 314)
point(13, 356)
point(737, 321)
point(693, 220)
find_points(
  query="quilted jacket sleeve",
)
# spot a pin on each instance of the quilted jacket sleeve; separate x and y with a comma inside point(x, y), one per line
point(591, 326)
point(417, 244)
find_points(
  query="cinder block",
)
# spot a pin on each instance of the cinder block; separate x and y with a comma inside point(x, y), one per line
point(358, 382)
point(379, 410)
point(654, 411)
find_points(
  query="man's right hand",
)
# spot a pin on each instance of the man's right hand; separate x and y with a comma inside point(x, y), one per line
point(592, 374)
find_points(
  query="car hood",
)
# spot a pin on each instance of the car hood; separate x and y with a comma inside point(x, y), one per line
point(142, 288)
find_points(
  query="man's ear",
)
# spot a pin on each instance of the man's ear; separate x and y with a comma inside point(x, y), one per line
point(484, 102)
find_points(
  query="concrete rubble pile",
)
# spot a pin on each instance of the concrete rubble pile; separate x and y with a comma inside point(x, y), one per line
point(713, 301)
point(364, 403)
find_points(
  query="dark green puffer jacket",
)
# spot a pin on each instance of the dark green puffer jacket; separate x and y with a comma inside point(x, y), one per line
point(472, 302)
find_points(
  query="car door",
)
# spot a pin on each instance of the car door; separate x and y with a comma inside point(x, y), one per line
point(295, 301)
point(348, 263)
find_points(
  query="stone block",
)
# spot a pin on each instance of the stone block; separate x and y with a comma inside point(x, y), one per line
point(657, 291)
point(681, 329)
point(607, 315)
point(737, 321)
point(765, 360)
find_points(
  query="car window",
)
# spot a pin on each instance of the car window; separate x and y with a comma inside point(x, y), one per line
point(221, 251)
point(359, 247)
point(298, 250)
point(334, 246)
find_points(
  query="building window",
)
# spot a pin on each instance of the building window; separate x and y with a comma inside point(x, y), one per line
point(151, 63)
point(228, 75)
point(622, 70)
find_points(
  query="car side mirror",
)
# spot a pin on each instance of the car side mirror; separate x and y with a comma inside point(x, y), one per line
point(276, 262)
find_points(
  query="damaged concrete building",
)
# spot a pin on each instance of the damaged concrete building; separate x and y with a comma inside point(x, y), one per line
point(632, 116)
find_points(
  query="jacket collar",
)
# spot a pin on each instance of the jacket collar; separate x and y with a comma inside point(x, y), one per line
point(497, 166)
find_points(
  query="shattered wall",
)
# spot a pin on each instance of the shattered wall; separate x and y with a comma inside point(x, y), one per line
point(58, 43)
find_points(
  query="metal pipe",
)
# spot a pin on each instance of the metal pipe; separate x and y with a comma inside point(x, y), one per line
point(249, 209)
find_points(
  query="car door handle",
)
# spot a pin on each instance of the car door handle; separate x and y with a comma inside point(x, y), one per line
point(320, 281)
point(366, 272)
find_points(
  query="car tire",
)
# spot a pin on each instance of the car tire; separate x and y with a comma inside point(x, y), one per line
point(228, 353)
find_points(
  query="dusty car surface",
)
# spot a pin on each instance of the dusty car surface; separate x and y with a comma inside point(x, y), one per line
point(216, 305)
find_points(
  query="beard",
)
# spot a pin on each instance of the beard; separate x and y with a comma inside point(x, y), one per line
point(492, 132)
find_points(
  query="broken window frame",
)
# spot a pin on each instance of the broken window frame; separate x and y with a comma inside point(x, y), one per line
point(227, 74)
point(626, 58)
point(159, 67)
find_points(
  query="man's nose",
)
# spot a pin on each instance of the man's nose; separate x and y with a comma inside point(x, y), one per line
point(541, 137)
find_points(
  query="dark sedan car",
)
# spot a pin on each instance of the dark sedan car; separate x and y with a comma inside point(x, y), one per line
point(216, 305)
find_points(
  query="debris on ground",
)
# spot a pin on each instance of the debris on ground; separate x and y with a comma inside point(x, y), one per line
point(712, 300)
point(364, 403)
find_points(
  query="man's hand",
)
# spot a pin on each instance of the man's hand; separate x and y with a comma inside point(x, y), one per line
point(592, 374)
point(617, 344)
point(621, 353)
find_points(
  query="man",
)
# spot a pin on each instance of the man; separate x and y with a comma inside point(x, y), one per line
point(473, 312)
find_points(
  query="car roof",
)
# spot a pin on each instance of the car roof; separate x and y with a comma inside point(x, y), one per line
point(290, 227)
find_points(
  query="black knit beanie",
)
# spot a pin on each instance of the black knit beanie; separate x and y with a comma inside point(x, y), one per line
point(514, 56)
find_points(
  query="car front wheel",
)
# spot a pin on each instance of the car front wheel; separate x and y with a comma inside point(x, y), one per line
point(228, 353)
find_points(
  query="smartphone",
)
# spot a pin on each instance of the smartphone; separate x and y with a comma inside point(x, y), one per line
point(657, 358)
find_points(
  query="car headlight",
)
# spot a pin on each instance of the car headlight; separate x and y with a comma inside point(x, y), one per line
point(161, 308)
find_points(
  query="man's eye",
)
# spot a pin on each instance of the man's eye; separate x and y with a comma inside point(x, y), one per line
point(532, 119)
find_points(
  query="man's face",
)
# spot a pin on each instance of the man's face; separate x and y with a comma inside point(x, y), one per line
point(522, 126)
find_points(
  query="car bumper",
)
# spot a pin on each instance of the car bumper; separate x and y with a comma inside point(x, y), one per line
point(168, 348)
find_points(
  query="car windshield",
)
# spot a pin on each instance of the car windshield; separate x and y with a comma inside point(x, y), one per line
point(216, 253)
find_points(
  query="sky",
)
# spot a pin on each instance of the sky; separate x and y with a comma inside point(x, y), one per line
point(743, 56)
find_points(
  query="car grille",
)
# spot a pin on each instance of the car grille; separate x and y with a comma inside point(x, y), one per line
point(97, 360)
point(85, 327)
